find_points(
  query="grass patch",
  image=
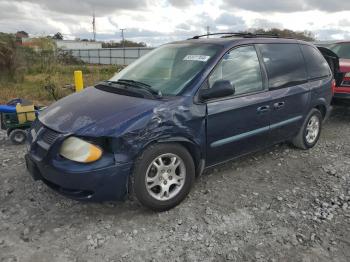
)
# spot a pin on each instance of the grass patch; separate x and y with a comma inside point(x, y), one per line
point(32, 84)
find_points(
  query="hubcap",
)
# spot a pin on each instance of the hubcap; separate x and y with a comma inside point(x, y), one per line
point(165, 177)
point(312, 129)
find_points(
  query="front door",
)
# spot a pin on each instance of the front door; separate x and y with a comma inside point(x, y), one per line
point(240, 123)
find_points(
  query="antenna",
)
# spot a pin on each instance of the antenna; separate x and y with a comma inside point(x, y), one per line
point(94, 26)
point(208, 31)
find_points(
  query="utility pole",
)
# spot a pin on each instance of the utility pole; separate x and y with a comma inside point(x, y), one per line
point(123, 39)
point(208, 32)
point(123, 42)
point(94, 26)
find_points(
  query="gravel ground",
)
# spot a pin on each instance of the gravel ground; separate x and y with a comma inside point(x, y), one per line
point(281, 204)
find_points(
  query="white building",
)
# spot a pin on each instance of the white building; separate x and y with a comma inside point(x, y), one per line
point(73, 44)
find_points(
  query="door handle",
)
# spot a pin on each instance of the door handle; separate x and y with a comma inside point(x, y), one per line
point(263, 109)
point(278, 105)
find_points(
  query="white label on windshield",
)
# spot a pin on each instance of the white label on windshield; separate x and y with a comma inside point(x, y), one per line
point(201, 58)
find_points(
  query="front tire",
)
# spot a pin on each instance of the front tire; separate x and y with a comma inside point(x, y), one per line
point(163, 176)
point(310, 132)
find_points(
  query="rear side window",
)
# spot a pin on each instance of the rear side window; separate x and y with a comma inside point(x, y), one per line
point(316, 65)
point(284, 64)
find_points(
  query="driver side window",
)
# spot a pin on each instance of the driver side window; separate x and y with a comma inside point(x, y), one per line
point(242, 68)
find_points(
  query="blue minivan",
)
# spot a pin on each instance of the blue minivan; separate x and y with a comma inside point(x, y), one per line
point(186, 106)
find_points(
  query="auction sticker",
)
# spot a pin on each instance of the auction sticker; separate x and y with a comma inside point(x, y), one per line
point(201, 58)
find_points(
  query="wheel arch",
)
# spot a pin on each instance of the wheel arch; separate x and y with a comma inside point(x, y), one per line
point(193, 148)
point(321, 105)
point(190, 146)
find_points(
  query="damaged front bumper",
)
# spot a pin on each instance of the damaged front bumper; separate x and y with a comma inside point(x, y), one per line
point(104, 180)
point(105, 184)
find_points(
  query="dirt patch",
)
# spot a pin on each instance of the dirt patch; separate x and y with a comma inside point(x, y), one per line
point(281, 204)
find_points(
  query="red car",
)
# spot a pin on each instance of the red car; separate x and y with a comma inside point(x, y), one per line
point(342, 50)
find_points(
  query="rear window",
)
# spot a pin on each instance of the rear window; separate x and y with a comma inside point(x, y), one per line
point(342, 50)
point(316, 64)
point(284, 64)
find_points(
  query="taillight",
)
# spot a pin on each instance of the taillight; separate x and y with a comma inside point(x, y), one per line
point(333, 86)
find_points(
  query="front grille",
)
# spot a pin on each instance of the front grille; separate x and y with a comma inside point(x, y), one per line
point(41, 139)
point(36, 125)
point(49, 136)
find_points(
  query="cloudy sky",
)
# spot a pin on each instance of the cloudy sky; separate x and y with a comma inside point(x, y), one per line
point(160, 21)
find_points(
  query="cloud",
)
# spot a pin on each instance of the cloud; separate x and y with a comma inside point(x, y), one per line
point(181, 3)
point(287, 5)
point(87, 7)
point(159, 21)
point(266, 5)
point(230, 20)
point(265, 24)
point(332, 34)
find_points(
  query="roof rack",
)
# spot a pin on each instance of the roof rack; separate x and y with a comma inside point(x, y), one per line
point(245, 35)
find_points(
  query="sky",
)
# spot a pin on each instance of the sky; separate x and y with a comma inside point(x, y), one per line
point(159, 21)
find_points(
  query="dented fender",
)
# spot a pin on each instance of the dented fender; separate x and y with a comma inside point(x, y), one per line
point(130, 123)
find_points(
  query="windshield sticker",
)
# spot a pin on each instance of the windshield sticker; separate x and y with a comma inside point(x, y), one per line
point(201, 58)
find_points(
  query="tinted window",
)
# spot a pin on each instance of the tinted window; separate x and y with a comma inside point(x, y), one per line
point(342, 50)
point(316, 65)
point(284, 64)
point(241, 67)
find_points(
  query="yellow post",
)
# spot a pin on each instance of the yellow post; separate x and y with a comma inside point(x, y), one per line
point(78, 80)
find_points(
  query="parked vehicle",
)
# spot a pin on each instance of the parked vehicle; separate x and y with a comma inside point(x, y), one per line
point(342, 50)
point(16, 117)
point(184, 107)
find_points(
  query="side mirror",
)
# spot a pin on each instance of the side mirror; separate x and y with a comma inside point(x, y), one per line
point(220, 89)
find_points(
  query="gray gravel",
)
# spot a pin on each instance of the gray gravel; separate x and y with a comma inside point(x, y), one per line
point(281, 204)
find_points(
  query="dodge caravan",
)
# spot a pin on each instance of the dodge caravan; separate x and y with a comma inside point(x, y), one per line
point(183, 107)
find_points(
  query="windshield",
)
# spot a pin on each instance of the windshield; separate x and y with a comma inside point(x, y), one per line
point(342, 50)
point(169, 68)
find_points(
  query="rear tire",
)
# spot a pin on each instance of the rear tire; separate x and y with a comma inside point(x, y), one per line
point(163, 176)
point(310, 132)
point(18, 136)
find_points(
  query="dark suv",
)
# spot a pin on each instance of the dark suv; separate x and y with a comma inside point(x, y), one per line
point(184, 107)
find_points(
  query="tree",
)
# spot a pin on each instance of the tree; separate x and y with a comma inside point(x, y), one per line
point(58, 36)
point(286, 33)
point(127, 43)
point(22, 34)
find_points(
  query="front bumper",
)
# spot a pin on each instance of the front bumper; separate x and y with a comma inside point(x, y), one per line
point(342, 95)
point(105, 180)
point(105, 184)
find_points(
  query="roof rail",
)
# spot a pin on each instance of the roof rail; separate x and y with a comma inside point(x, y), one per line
point(245, 35)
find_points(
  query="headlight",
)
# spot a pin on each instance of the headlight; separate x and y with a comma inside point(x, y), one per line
point(347, 74)
point(78, 150)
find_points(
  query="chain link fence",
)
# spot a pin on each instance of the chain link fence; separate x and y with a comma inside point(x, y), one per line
point(110, 56)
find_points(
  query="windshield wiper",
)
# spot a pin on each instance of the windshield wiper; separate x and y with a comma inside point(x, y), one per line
point(139, 84)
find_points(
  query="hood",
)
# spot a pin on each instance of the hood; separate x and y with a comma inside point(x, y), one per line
point(344, 65)
point(94, 112)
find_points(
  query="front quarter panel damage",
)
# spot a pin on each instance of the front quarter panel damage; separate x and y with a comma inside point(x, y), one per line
point(175, 121)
